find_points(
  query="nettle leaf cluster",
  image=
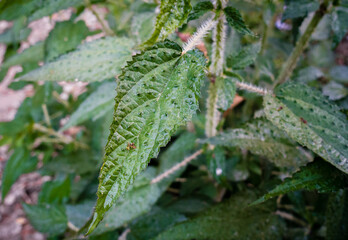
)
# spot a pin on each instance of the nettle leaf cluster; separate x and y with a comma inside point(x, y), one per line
point(196, 113)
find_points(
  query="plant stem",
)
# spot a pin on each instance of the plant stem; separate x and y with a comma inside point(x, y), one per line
point(186, 161)
point(106, 29)
point(216, 69)
point(290, 64)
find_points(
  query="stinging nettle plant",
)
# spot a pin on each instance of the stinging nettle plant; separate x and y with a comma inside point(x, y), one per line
point(179, 94)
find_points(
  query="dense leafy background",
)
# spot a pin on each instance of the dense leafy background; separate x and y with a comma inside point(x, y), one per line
point(284, 153)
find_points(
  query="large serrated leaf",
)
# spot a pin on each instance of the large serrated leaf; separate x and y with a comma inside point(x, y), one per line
point(262, 138)
point(229, 220)
point(128, 208)
point(172, 15)
point(95, 106)
point(310, 119)
point(317, 175)
point(158, 92)
point(94, 61)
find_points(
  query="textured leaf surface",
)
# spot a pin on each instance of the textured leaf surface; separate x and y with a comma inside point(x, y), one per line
point(318, 175)
point(262, 138)
point(299, 8)
point(310, 119)
point(49, 219)
point(235, 20)
point(158, 91)
point(141, 197)
point(95, 106)
point(229, 220)
point(336, 216)
point(65, 36)
point(19, 163)
point(245, 57)
point(94, 61)
point(200, 9)
point(226, 90)
point(173, 14)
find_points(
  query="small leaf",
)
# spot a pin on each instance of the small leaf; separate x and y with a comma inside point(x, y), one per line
point(45, 218)
point(79, 214)
point(94, 106)
point(299, 8)
point(226, 90)
point(262, 138)
point(308, 74)
point(158, 92)
point(335, 91)
point(336, 216)
point(339, 24)
point(311, 120)
point(244, 58)
point(339, 74)
point(65, 36)
point(235, 20)
point(19, 163)
point(200, 9)
point(17, 33)
point(319, 176)
point(229, 220)
point(94, 61)
point(55, 191)
point(173, 14)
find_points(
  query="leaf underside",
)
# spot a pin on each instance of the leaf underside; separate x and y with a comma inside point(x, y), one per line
point(262, 138)
point(172, 15)
point(310, 119)
point(94, 61)
point(318, 175)
point(157, 93)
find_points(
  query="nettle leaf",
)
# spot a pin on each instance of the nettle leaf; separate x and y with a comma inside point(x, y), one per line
point(226, 90)
point(318, 175)
point(200, 9)
point(19, 163)
point(45, 218)
point(94, 61)
point(262, 138)
point(235, 20)
point(128, 208)
point(310, 119)
point(299, 8)
point(336, 216)
point(244, 58)
point(65, 36)
point(173, 14)
point(158, 92)
point(55, 191)
point(95, 106)
point(229, 220)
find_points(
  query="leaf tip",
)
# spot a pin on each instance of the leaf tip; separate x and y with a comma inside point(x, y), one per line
point(95, 221)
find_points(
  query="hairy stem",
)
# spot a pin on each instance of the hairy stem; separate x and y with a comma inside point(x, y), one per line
point(176, 167)
point(216, 69)
point(301, 45)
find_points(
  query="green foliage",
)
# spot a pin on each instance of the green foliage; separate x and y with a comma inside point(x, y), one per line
point(226, 90)
point(299, 8)
point(94, 106)
point(17, 33)
point(319, 176)
point(336, 212)
point(262, 138)
point(226, 221)
point(339, 23)
point(65, 37)
point(172, 15)
point(46, 218)
point(55, 191)
point(235, 20)
point(91, 62)
point(157, 93)
point(200, 9)
point(311, 120)
point(244, 58)
point(19, 163)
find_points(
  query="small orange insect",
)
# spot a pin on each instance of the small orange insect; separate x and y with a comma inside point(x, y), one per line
point(131, 146)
